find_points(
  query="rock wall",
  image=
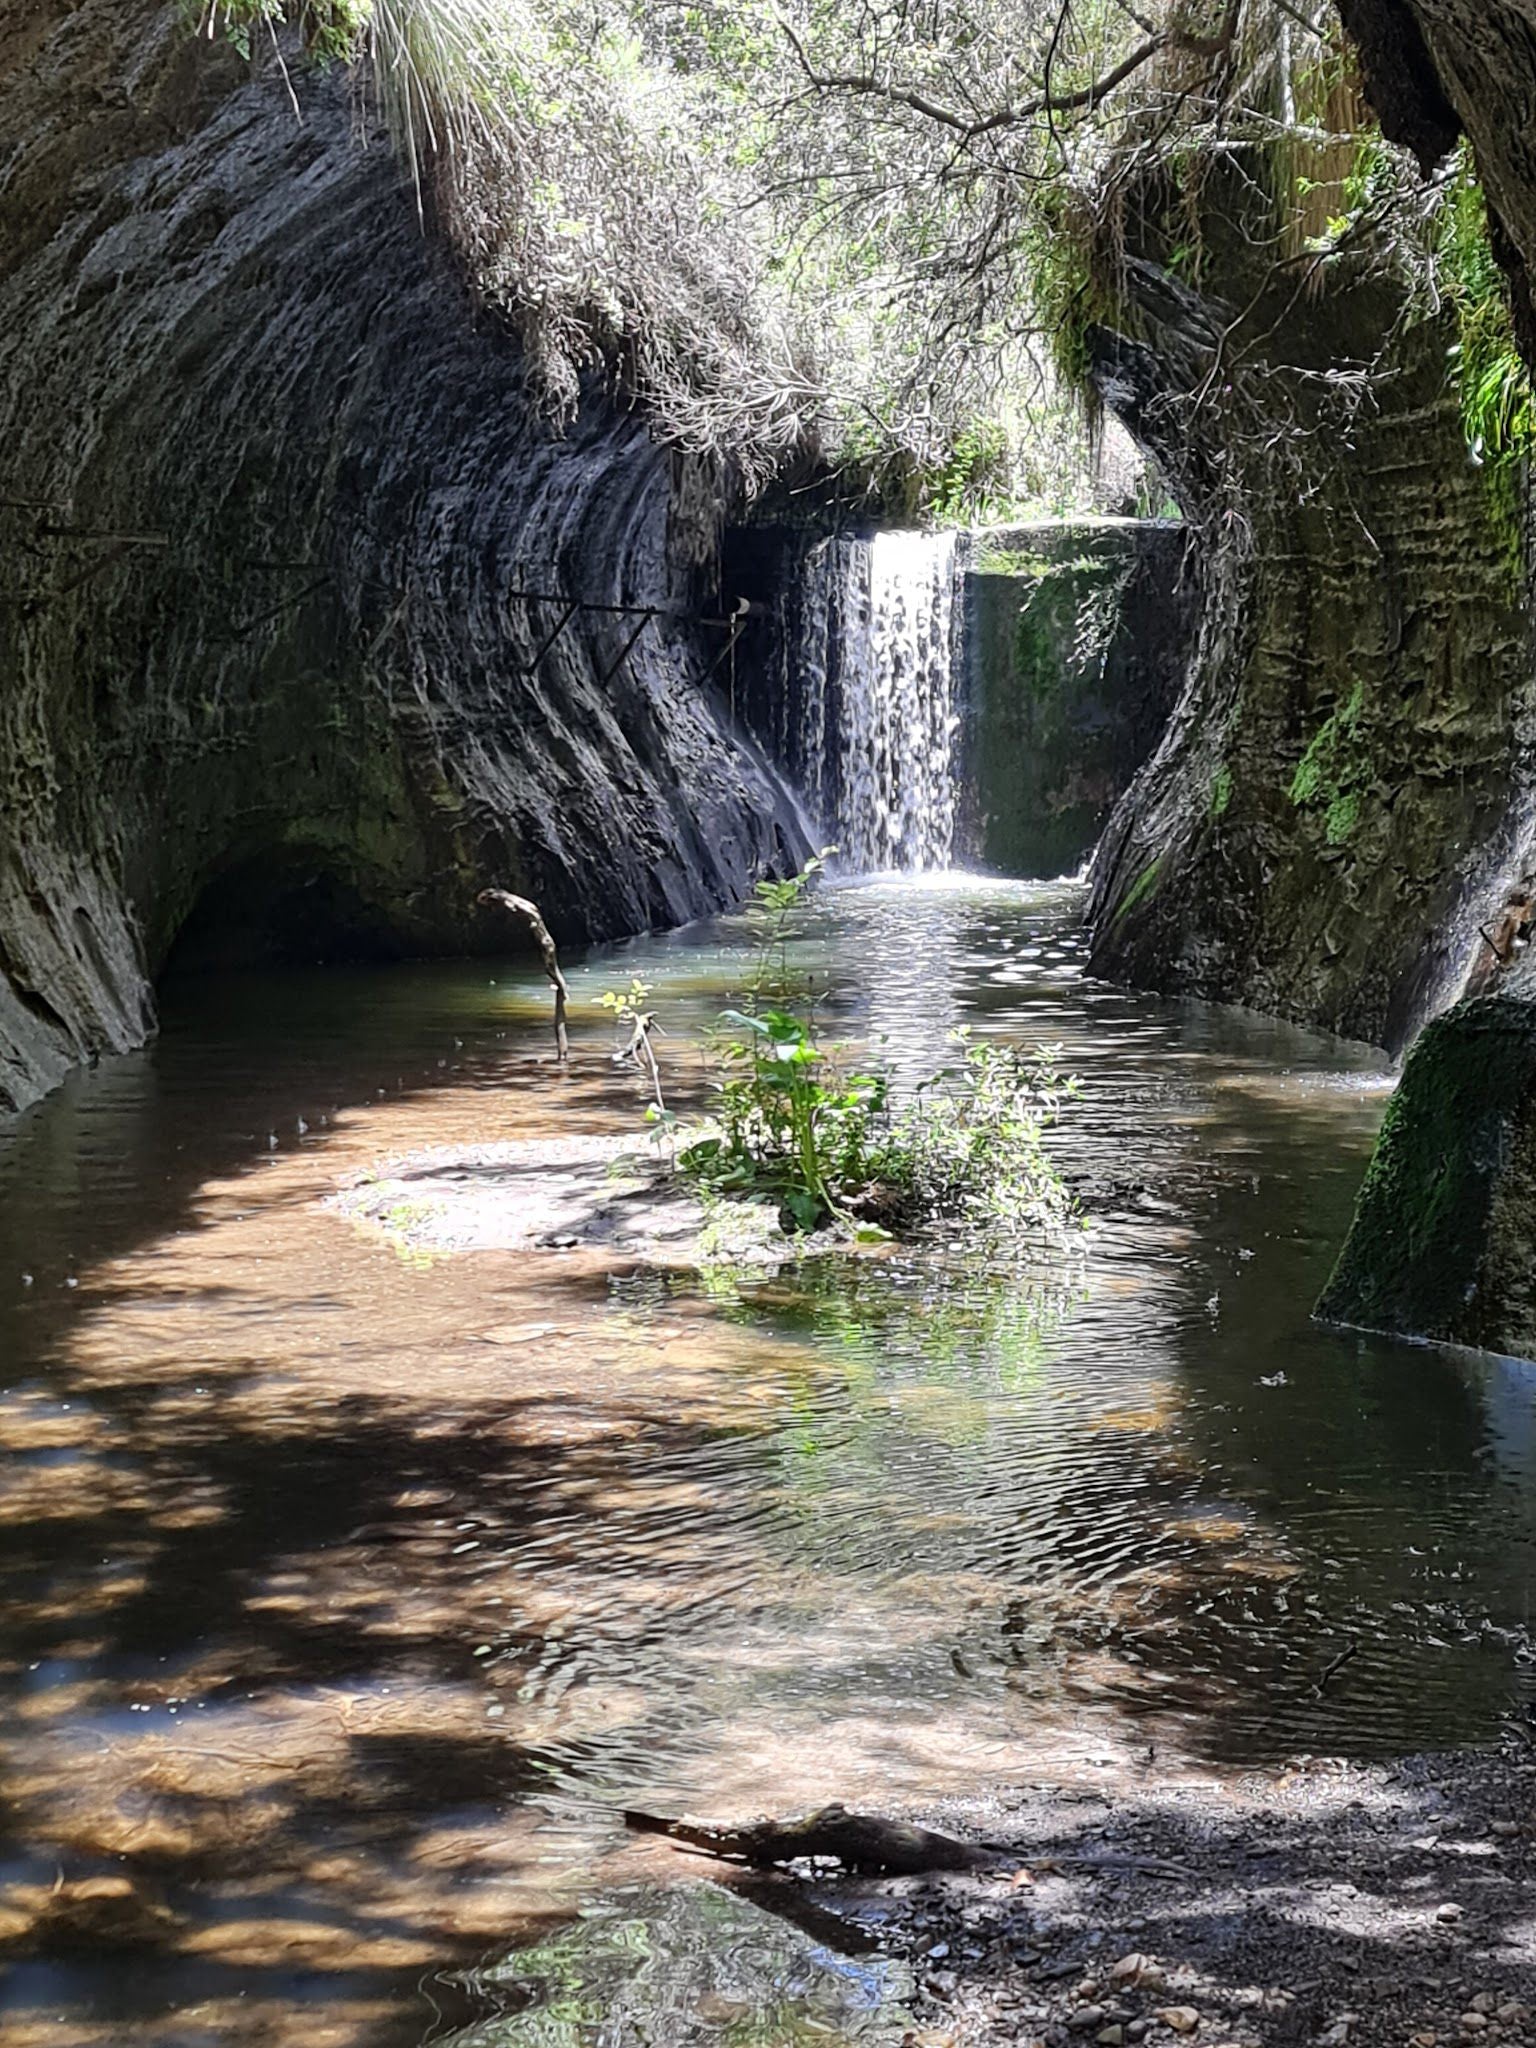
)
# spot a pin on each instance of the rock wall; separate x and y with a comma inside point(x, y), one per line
point(273, 487)
point(1437, 69)
point(1331, 809)
point(1075, 640)
point(1444, 1239)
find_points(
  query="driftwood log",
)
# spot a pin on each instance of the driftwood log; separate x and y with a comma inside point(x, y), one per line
point(873, 1846)
point(860, 1841)
point(520, 906)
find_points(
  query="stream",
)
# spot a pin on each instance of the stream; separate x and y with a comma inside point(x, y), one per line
point(349, 1594)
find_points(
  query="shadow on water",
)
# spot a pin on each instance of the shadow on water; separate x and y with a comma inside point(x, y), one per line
point(350, 1594)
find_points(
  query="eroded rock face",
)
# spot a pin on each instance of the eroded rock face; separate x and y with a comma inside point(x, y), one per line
point(1330, 810)
point(272, 487)
point(1443, 1239)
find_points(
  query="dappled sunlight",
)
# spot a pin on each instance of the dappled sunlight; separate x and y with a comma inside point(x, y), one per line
point(352, 1595)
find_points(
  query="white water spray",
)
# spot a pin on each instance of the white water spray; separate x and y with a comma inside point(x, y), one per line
point(878, 717)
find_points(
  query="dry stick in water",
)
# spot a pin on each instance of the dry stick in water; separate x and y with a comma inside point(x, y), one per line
point(643, 1053)
point(520, 906)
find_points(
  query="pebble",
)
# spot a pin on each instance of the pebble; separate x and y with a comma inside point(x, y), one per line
point(1484, 2002)
point(1182, 2019)
point(1111, 2036)
point(1087, 2018)
point(1449, 1911)
point(1474, 2022)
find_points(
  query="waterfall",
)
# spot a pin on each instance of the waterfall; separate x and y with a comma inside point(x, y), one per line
point(875, 698)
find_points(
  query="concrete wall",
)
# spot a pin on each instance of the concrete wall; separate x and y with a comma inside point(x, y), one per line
point(1075, 637)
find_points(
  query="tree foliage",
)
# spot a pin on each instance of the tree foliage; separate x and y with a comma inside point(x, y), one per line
point(877, 231)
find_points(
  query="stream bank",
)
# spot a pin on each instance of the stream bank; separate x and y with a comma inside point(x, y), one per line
point(1323, 1902)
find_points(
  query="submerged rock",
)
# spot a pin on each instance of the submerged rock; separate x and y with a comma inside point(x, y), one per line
point(686, 1966)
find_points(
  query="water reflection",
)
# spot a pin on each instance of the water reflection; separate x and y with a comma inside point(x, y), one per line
point(347, 1598)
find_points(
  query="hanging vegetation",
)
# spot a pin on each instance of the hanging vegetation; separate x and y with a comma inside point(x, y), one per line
point(882, 234)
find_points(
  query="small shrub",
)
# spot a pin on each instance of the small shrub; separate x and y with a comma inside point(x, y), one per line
point(971, 1146)
point(829, 1145)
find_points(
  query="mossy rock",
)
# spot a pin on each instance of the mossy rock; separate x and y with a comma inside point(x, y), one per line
point(1443, 1237)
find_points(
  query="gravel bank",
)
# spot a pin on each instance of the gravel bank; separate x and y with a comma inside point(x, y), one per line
point(1322, 1903)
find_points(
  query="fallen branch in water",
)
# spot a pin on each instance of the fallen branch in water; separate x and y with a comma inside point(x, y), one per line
point(861, 1841)
point(867, 1843)
point(643, 1053)
point(520, 906)
point(1337, 1665)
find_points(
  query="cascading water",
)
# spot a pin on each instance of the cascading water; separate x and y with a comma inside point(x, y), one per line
point(876, 700)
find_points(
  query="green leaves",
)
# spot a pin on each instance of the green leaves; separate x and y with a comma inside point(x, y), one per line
point(627, 1003)
point(826, 1145)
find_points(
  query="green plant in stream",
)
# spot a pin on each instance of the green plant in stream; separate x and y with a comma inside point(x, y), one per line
point(971, 1143)
point(792, 1125)
point(788, 1124)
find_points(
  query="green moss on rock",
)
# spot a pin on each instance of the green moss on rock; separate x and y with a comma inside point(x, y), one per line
point(1335, 770)
point(1076, 638)
point(1440, 1245)
point(1142, 887)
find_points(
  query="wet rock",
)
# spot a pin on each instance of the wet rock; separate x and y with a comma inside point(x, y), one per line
point(700, 1956)
point(1075, 640)
point(1324, 821)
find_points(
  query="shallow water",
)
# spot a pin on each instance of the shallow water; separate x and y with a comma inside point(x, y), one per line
point(348, 1595)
